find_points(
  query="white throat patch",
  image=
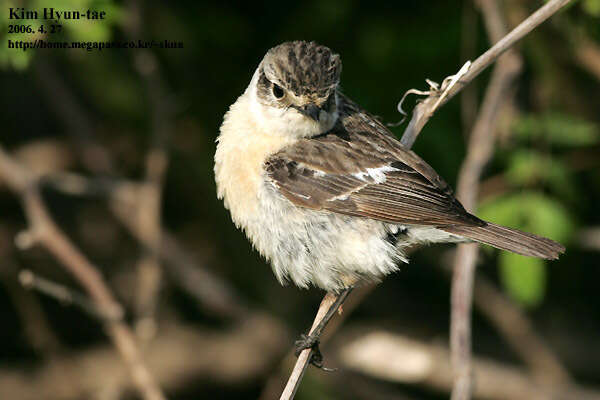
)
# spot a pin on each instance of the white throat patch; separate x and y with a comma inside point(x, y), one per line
point(287, 121)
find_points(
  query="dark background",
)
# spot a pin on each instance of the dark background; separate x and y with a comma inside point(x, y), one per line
point(57, 104)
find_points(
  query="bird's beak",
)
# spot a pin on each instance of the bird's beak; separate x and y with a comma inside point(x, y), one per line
point(310, 110)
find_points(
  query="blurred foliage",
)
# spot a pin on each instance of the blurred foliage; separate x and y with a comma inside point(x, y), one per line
point(525, 277)
point(557, 129)
point(529, 169)
point(81, 30)
point(592, 7)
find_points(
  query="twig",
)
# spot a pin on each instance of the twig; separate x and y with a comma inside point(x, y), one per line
point(31, 314)
point(273, 385)
point(518, 331)
point(589, 238)
point(149, 271)
point(425, 109)
point(468, 50)
point(329, 305)
point(375, 353)
point(65, 295)
point(587, 54)
point(480, 150)
point(47, 233)
point(229, 356)
point(213, 294)
point(422, 113)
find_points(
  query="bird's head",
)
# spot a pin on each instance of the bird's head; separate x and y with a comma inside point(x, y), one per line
point(294, 89)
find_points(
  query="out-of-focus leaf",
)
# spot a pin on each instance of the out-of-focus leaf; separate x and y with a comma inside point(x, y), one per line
point(84, 30)
point(77, 29)
point(591, 7)
point(526, 167)
point(532, 212)
point(558, 129)
point(92, 30)
point(15, 58)
point(524, 278)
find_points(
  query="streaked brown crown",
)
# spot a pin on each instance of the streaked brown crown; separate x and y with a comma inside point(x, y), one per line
point(304, 68)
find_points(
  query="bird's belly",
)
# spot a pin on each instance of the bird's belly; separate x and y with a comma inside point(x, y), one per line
point(320, 248)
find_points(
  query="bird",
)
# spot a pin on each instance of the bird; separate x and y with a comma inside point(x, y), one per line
point(324, 190)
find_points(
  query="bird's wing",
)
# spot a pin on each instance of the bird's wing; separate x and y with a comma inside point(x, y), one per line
point(360, 169)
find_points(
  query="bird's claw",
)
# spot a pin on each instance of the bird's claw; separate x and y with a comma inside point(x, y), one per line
point(316, 358)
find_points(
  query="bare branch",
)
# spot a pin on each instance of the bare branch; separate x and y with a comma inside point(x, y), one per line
point(425, 109)
point(48, 234)
point(587, 55)
point(518, 331)
point(213, 294)
point(375, 353)
point(149, 272)
point(65, 295)
point(179, 354)
point(329, 305)
point(480, 150)
point(423, 112)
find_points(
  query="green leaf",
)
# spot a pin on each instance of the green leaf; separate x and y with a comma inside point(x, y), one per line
point(592, 7)
point(527, 167)
point(524, 278)
point(532, 212)
point(14, 58)
point(86, 31)
point(558, 129)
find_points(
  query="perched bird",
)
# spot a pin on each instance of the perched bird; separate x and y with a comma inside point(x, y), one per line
point(324, 191)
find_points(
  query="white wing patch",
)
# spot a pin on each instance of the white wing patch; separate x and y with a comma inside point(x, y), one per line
point(376, 174)
point(344, 196)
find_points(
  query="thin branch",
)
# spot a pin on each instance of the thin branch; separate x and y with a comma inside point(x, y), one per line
point(468, 50)
point(212, 293)
point(329, 305)
point(180, 354)
point(425, 109)
point(518, 331)
point(375, 353)
point(33, 319)
point(149, 272)
point(480, 150)
point(421, 114)
point(587, 55)
point(63, 294)
point(589, 238)
point(47, 233)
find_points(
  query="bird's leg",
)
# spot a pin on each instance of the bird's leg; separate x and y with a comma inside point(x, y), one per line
point(312, 340)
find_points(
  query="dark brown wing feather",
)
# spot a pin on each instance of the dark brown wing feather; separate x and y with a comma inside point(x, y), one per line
point(331, 172)
point(360, 169)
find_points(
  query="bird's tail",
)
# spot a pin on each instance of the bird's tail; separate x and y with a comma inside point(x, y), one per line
point(509, 239)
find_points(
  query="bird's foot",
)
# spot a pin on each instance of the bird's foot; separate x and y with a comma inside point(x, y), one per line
point(312, 342)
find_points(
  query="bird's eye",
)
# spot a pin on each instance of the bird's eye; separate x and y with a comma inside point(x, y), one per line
point(277, 91)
